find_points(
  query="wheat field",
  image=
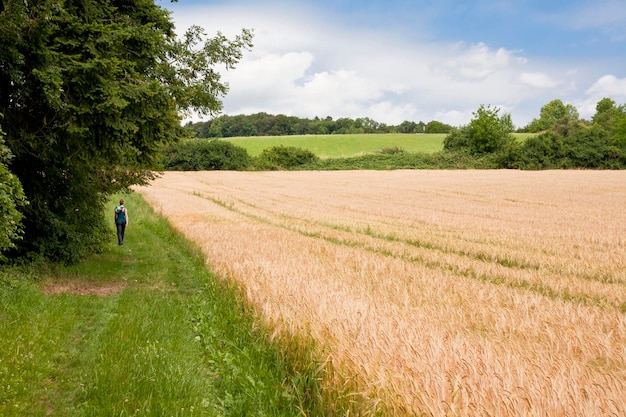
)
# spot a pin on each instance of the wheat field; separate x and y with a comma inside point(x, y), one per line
point(443, 293)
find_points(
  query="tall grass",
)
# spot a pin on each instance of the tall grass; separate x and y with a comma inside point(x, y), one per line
point(430, 292)
point(142, 329)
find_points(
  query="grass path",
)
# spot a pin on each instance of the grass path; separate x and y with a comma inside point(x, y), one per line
point(142, 329)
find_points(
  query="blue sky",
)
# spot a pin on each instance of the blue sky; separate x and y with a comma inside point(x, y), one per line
point(420, 60)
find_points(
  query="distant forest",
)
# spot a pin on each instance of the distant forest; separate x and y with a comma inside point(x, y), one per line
point(263, 124)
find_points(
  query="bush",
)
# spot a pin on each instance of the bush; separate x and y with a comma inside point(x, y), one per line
point(201, 154)
point(458, 139)
point(395, 150)
point(542, 152)
point(11, 198)
point(590, 148)
point(284, 157)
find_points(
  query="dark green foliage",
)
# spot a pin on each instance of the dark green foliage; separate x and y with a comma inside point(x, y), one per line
point(263, 124)
point(457, 139)
point(284, 157)
point(437, 127)
point(440, 160)
point(11, 200)
point(545, 151)
point(200, 154)
point(586, 147)
point(411, 127)
point(590, 148)
point(91, 91)
point(487, 133)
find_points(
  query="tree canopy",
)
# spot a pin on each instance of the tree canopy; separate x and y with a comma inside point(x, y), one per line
point(263, 124)
point(487, 132)
point(11, 199)
point(552, 114)
point(91, 90)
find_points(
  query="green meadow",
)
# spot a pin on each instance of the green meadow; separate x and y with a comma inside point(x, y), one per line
point(142, 329)
point(344, 146)
point(350, 145)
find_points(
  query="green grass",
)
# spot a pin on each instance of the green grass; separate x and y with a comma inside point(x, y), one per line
point(344, 146)
point(172, 341)
point(352, 145)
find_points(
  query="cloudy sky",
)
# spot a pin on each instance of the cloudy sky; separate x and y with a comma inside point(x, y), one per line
point(418, 60)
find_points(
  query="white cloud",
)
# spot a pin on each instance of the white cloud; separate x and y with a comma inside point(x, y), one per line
point(453, 117)
point(477, 62)
point(605, 86)
point(303, 65)
point(608, 85)
point(269, 74)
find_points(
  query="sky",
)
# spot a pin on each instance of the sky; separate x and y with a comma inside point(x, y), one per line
point(417, 60)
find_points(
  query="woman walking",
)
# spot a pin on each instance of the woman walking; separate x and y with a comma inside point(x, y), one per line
point(121, 221)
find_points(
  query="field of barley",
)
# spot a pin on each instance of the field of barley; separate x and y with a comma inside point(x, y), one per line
point(443, 293)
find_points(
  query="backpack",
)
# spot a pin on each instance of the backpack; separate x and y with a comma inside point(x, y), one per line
point(120, 216)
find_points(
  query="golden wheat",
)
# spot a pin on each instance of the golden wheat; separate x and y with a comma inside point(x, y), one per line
point(460, 293)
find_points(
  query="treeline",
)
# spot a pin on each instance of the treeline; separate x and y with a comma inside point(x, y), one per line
point(263, 124)
point(562, 141)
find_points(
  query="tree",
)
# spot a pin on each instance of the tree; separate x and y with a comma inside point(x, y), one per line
point(608, 114)
point(435, 126)
point(91, 91)
point(551, 114)
point(11, 199)
point(488, 130)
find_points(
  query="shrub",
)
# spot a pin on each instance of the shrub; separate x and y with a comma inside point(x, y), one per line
point(394, 150)
point(11, 198)
point(542, 152)
point(457, 139)
point(284, 157)
point(590, 148)
point(201, 154)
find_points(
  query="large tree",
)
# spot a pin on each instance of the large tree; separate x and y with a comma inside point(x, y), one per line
point(91, 90)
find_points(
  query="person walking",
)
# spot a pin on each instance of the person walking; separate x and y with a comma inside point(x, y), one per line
point(121, 221)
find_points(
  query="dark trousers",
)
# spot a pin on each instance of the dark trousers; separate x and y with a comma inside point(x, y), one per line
point(121, 228)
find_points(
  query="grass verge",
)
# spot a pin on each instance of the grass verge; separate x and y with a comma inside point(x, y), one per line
point(142, 329)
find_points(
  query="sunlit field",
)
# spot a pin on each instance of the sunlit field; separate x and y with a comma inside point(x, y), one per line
point(344, 146)
point(444, 293)
point(350, 145)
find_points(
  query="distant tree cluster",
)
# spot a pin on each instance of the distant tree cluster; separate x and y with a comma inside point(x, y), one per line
point(263, 124)
point(562, 140)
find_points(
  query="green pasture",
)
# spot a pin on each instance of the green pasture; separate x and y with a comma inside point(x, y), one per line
point(344, 146)
point(349, 145)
